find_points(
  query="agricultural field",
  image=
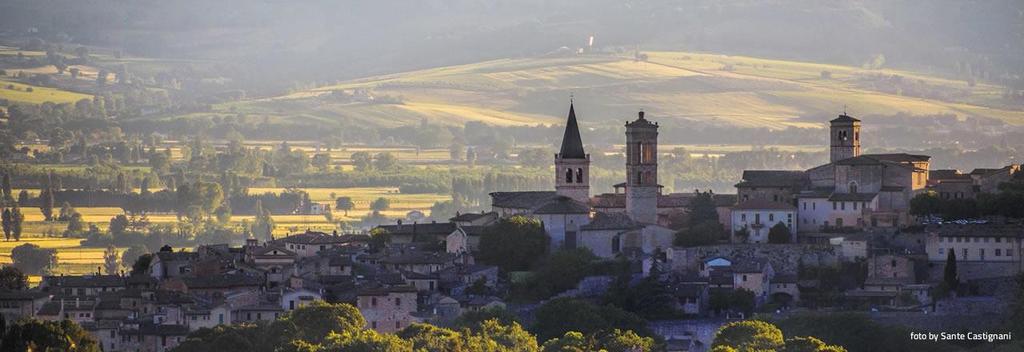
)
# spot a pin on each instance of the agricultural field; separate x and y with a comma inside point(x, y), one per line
point(20, 93)
point(72, 259)
point(730, 90)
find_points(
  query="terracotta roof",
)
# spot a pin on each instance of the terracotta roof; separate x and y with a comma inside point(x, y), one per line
point(870, 159)
point(763, 204)
point(85, 281)
point(844, 118)
point(442, 228)
point(221, 281)
point(773, 178)
point(8, 295)
point(471, 216)
point(520, 200)
point(754, 265)
point(572, 144)
point(316, 238)
point(944, 175)
point(384, 290)
point(852, 197)
point(418, 257)
point(612, 221)
point(562, 205)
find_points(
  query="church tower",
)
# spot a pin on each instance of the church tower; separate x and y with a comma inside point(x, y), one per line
point(844, 138)
point(572, 164)
point(642, 187)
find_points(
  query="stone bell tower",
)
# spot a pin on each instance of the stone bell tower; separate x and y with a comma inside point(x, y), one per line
point(844, 138)
point(642, 187)
point(572, 164)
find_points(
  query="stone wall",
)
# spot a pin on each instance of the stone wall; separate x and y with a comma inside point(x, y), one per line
point(974, 270)
point(783, 257)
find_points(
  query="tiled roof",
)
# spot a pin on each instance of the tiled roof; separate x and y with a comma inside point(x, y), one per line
point(378, 290)
point(562, 205)
point(471, 216)
point(618, 200)
point(418, 257)
point(763, 204)
point(221, 281)
point(612, 221)
point(871, 159)
point(176, 256)
point(754, 265)
point(432, 228)
point(845, 118)
point(943, 175)
point(8, 295)
point(852, 197)
point(773, 178)
point(163, 329)
point(977, 230)
point(520, 200)
point(316, 238)
point(85, 281)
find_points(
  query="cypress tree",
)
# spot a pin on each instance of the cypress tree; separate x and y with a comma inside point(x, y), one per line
point(8, 195)
point(949, 276)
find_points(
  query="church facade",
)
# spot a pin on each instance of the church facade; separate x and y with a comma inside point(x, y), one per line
point(627, 222)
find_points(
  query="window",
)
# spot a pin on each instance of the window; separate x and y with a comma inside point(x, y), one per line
point(864, 205)
point(854, 205)
point(965, 254)
point(894, 263)
point(771, 217)
point(373, 324)
point(999, 252)
point(568, 175)
point(373, 301)
point(834, 207)
point(398, 301)
point(744, 278)
point(814, 206)
point(743, 217)
point(842, 206)
point(1009, 252)
point(579, 175)
point(291, 304)
point(981, 253)
point(775, 197)
point(398, 325)
point(757, 218)
point(853, 187)
point(999, 239)
point(942, 250)
point(805, 205)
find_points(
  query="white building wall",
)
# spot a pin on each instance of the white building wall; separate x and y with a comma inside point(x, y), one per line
point(766, 218)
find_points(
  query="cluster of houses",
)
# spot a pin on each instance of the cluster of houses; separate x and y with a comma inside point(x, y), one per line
point(853, 209)
point(184, 291)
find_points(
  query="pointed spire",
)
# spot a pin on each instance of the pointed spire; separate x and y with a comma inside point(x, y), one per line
point(572, 144)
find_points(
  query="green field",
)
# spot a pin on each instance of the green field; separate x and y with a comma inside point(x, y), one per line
point(18, 93)
point(732, 90)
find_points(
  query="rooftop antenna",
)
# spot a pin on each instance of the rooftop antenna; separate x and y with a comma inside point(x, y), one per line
point(844, 109)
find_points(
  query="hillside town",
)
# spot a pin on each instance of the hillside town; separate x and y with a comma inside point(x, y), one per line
point(847, 235)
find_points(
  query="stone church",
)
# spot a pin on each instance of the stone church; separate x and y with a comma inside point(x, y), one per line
point(628, 222)
point(852, 191)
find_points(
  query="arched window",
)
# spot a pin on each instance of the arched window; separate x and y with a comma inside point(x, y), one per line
point(616, 244)
point(579, 175)
point(568, 175)
point(853, 187)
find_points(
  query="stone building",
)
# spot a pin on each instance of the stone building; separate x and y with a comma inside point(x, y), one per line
point(387, 309)
point(758, 216)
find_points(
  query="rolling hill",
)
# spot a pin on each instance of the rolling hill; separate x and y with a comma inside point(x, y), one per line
point(730, 90)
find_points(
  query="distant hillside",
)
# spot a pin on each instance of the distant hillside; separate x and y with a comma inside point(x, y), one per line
point(610, 88)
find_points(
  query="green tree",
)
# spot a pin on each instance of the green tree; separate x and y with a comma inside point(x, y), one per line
point(8, 224)
point(35, 335)
point(513, 243)
point(32, 259)
point(702, 209)
point(75, 225)
point(344, 203)
point(385, 161)
point(46, 203)
point(313, 322)
point(809, 344)
point(263, 226)
point(12, 279)
point(18, 220)
point(703, 234)
point(779, 234)
point(949, 274)
point(363, 341)
point(8, 195)
point(133, 255)
point(66, 210)
point(472, 319)
point(426, 337)
point(627, 341)
point(749, 335)
point(492, 335)
point(926, 204)
point(561, 315)
point(362, 161)
point(561, 271)
point(118, 224)
point(572, 341)
point(380, 204)
point(321, 161)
